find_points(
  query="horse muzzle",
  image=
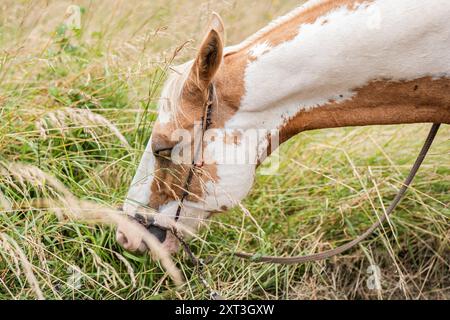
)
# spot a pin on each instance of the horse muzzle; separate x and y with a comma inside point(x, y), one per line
point(159, 233)
point(136, 244)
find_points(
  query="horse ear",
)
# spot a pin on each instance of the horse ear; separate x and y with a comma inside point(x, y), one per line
point(210, 55)
point(217, 24)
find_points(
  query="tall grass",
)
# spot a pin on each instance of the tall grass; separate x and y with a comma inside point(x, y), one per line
point(79, 105)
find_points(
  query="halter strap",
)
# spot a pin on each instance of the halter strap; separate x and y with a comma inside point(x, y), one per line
point(198, 152)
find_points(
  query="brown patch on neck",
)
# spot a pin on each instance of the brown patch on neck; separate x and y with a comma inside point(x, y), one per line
point(380, 103)
point(230, 80)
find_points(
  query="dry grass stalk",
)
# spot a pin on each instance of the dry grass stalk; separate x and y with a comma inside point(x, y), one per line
point(5, 204)
point(92, 213)
point(84, 118)
point(67, 207)
point(26, 265)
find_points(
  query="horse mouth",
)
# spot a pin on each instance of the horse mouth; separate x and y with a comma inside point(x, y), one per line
point(159, 233)
point(168, 241)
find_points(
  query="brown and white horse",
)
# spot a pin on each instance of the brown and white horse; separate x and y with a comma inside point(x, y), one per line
point(327, 64)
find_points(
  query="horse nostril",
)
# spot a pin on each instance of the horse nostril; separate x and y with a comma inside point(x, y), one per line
point(159, 233)
point(126, 243)
point(132, 244)
point(122, 239)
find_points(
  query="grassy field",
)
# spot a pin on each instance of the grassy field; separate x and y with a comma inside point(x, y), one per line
point(79, 105)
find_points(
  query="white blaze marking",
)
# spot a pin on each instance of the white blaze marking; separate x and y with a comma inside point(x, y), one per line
point(139, 192)
point(164, 114)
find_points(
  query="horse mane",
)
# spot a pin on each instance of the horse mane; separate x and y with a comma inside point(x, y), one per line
point(173, 89)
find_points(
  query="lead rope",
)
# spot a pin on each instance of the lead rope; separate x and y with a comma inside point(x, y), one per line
point(330, 253)
point(199, 265)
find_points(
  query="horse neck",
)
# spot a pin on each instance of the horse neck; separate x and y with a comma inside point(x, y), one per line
point(338, 70)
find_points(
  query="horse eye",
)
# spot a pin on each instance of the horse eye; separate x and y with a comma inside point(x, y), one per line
point(164, 153)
